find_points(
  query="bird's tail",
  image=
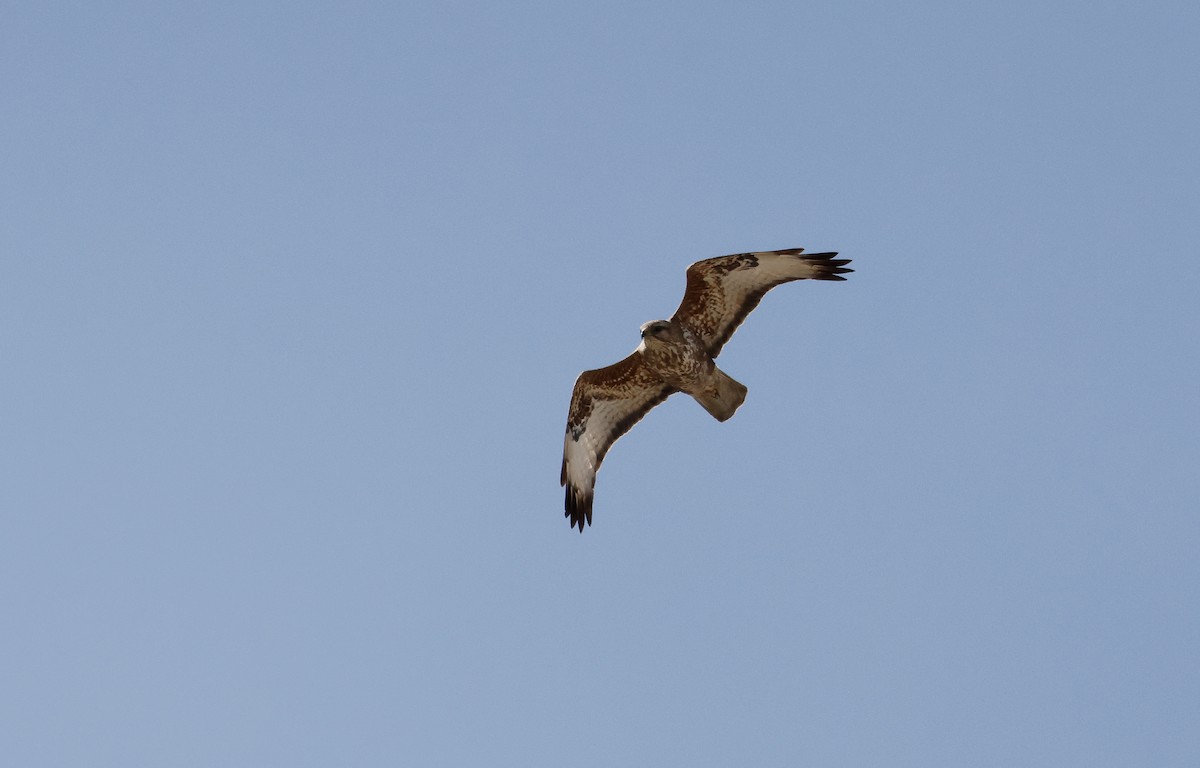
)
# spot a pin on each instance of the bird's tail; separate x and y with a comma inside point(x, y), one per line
point(722, 396)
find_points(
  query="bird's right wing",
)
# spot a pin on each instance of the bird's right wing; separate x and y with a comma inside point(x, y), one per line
point(722, 291)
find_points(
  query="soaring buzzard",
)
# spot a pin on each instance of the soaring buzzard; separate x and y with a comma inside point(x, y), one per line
point(676, 355)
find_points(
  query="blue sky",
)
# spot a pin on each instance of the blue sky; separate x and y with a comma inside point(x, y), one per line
point(292, 298)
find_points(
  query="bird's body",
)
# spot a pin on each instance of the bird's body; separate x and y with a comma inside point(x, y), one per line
point(676, 355)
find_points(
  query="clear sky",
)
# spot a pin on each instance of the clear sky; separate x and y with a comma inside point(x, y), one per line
point(292, 298)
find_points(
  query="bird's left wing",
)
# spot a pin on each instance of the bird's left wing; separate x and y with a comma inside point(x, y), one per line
point(605, 404)
point(722, 291)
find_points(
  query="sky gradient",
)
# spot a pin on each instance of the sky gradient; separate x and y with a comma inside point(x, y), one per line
point(292, 298)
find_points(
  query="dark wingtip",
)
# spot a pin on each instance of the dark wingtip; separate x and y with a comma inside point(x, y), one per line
point(831, 268)
point(578, 509)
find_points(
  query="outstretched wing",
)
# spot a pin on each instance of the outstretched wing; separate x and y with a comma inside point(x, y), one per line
point(722, 291)
point(605, 404)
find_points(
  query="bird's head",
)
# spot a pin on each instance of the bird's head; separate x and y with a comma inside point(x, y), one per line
point(657, 331)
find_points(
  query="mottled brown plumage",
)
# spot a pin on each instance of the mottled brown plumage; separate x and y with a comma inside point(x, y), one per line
point(676, 355)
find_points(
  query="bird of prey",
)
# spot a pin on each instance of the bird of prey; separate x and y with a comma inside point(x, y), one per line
point(676, 355)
